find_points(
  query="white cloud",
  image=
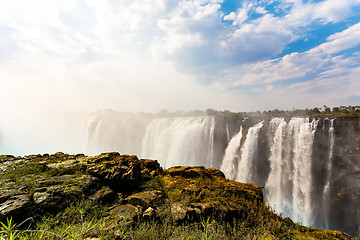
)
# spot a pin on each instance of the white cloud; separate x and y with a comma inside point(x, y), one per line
point(343, 40)
point(320, 69)
point(333, 10)
point(241, 15)
point(230, 17)
point(261, 10)
point(121, 54)
point(195, 25)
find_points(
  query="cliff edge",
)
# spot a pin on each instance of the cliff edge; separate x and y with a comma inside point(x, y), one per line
point(113, 196)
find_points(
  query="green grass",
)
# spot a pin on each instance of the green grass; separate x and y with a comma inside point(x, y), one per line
point(85, 219)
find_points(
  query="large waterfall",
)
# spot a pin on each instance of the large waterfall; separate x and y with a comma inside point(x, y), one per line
point(308, 168)
point(180, 141)
point(289, 184)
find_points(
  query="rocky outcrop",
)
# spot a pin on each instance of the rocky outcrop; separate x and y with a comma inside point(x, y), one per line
point(131, 189)
point(49, 183)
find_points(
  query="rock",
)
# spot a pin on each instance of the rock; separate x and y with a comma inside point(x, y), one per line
point(150, 164)
point(57, 191)
point(149, 169)
point(216, 172)
point(188, 172)
point(41, 197)
point(17, 207)
point(68, 163)
point(4, 158)
point(205, 208)
point(105, 195)
point(149, 213)
point(120, 172)
point(145, 199)
point(6, 194)
point(103, 157)
point(180, 213)
point(192, 189)
point(122, 215)
point(52, 202)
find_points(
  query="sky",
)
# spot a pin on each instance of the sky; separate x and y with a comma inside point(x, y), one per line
point(149, 55)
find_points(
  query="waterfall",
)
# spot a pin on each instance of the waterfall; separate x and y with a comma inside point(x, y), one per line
point(180, 141)
point(276, 153)
point(247, 154)
point(302, 182)
point(326, 194)
point(289, 184)
point(95, 140)
point(210, 155)
point(280, 173)
point(231, 156)
point(227, 133)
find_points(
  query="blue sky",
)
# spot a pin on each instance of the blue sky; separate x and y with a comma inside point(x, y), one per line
point(147, 55)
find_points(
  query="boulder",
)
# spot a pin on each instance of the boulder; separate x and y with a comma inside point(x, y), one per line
point(123, 215)
point(121, 173)
point(216, 172)
point(149, 213)
point(105, 195)
point(145, 199)
point(150, 164)
point(149, 169)
point(16, 207)
point(180, 212)
point(41, 197)
point(206, 208)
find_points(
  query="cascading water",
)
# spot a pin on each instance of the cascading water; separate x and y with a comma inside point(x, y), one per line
point(289, 184)
point(228, 133)
point(302, 181)
point(95, 137)
point(326, 194)
point(247, 154)
point(277, 184)
point(231, 156)
point(180, 141)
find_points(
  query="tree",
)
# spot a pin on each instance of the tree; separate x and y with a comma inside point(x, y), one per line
point(336, 109)
point(211, 112)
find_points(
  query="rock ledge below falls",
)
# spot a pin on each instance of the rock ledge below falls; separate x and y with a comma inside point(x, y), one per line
point(135, 190)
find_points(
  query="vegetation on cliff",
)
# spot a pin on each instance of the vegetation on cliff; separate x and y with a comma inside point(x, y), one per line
point(113, 196)
point(324, 111)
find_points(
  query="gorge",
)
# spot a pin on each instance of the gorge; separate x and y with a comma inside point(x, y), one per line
point(308, 167)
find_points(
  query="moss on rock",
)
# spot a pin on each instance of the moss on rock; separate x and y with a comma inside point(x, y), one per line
point(123, 192)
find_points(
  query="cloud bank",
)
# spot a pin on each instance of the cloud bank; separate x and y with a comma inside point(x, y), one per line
point(146, 55)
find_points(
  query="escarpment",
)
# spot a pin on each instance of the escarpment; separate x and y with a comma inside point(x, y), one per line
point(131, 192)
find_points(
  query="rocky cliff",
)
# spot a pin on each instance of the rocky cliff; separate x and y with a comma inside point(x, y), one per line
point(113, 196)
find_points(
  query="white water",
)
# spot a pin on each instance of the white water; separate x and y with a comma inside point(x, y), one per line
point(231, 156)
point(280, 171)
point(326, 194)
point(289, 184)
point(180, 141)
point(228, 133)
point(247, 154)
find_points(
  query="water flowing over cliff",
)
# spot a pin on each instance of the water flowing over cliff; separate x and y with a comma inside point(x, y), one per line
point(180, 141)
point(309, 168)
point(289, 183)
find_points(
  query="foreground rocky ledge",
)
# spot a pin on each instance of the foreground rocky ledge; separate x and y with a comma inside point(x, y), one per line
point(136, 190)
